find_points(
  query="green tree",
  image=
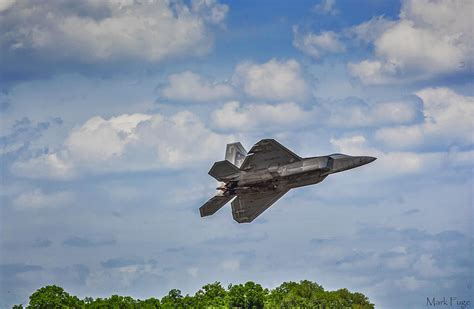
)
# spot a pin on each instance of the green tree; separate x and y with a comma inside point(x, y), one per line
point(150, 303)
point(247, 296)
point(174, 299)
point(300, 295)
point(121, 302)
point(295, 295)
point(52, 297)
point(88, 301)
point(307, 294)
point(211, 296)
point(189, 302)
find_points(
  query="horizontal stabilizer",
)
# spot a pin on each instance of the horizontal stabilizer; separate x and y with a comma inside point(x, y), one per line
point(224, 170)
point(213, 205)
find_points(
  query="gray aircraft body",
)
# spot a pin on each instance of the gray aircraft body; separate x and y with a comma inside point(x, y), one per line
point(269, 170)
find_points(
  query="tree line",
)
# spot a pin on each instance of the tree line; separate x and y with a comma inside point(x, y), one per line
point(250, 295)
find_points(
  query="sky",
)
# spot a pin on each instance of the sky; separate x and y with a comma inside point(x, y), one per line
point(113, 111)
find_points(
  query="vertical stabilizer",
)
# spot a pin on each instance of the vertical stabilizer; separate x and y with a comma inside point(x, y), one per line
point(235, 153)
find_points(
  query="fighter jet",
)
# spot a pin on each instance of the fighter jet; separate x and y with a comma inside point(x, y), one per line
point(257, 179)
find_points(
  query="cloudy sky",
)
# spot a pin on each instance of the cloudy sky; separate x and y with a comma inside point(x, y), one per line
point(113, 111)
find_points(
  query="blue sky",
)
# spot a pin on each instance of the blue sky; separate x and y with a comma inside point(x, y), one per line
point(112, 112)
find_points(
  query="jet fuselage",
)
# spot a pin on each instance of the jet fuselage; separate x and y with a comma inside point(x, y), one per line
point(256, 180)
point(306, 172)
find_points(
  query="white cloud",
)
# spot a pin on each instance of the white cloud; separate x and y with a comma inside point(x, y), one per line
point(448, 122)
point(136, 142)
point(102, 140)
point(442, 15)
point(370, 30)
point(236, 116)
point(36, 199)
point(326, 7)
point(398, 261)
point(189, 86)
point(211, 10)
point(110, 30)
point(409, 282)
point(123, 276)
point(431, 38)
point(317, 45)
point(273, 80)
point(422, 49)
point(398, 162)
point(460, 158)
point(6, 4)
point(395, 163)
point(193, 271)
point(352, 144)
point(232, 265)
point(373, 72)
point(426, 267)
point(53, 165)
point(388, 164)
point(350, 113)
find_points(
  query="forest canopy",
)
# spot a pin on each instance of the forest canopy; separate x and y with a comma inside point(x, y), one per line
point(250, 295)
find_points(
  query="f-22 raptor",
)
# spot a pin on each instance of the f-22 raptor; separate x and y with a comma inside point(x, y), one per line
point(264, 174)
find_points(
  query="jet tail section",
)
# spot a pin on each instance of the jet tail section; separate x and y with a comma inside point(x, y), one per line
point(224, 171)
point(235, 153)
point(214, 204)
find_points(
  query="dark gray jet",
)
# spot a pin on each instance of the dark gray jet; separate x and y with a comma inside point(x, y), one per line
point(258, 179)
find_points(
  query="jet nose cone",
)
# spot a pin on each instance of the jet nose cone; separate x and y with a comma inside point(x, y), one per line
point(345, 162)
point(366, 160)
point(370, 159)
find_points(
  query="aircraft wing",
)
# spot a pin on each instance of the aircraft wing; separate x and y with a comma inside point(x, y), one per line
point(267, 153)
point(214, 204)
point(247, 207)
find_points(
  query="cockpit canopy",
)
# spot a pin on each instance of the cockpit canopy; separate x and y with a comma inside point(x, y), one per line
point(338, 156)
